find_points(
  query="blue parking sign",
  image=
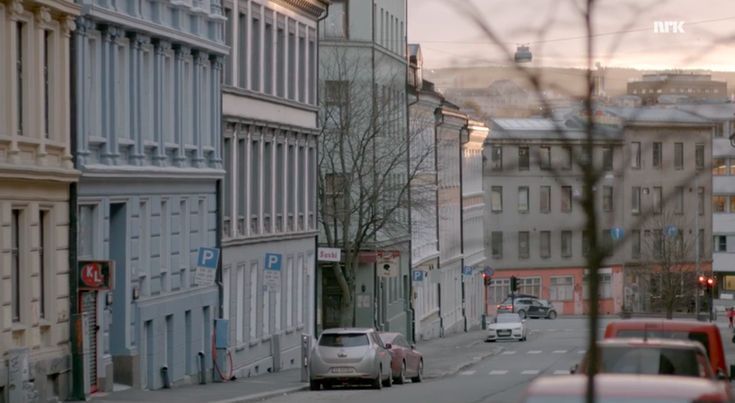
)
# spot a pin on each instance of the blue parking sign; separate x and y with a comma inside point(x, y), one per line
point(273, 261)
point(208, 257)
point(418, 275)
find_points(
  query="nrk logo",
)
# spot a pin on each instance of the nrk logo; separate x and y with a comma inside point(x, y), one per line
point(668, 27)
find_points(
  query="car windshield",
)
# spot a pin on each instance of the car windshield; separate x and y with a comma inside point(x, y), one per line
point(654, 360)
point(507, 319)
point(679, 335)
point(344, 340)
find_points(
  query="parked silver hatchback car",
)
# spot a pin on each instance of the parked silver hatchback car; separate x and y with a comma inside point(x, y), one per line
point(350, 355)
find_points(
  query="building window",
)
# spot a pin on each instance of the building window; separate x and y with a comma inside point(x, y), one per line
point(678, 156)
point(46, 87)
point(719, 167)
point(499, 290)
point(334, 191)
point(530, 286)
point(700, 200)
point(607, 198)
point(336, 24)
point(720, 243)
point(718, 129)
point(566, 244)
point(607, 158)
point(268, 54)
point(243, 50)
point(566, 199)
point(545, 199)
point(523, 199)
point(701, 243)
point(545, 244)
point(496, 199)
point(718, 204)
point(657, 199)
point(496, 158)
point(302, 69)
point(545, 157)
point(635, 158)
point(699, 156)
point(42, 251)
point(636, 244)
point(19, 59)
point(228, 42)
point(561, 288)
point(635, 200)
point(568, 160)
point(255, 50)
point(585, 243)
point(523, 162)
point(523, 245)
point(15, 271)
point(281, 57)
point(732, 204)
point(605, 286)
point(658, 243)
point(496, 240)
point(679, 201)
point(657, 153)
point(291, 88)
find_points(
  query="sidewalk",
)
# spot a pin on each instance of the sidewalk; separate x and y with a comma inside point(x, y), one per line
point(442, 357)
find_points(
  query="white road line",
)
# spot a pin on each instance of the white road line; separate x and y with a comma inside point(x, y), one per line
point(467, 372)
point(561, 372)
point(530, 372)
point(534, 352)
point(560, 351)
point(507, 353)
point(498, 372)
point(581, 351)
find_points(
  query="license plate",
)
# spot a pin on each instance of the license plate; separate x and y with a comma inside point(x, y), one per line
point(343, 370)
point(503, 332)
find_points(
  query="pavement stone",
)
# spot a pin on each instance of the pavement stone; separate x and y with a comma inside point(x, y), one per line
point(442, 357)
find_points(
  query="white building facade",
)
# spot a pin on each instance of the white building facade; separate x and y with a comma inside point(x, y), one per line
point(270, 150)
point(36, 171)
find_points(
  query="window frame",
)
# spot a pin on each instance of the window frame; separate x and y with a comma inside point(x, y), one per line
point(524, 205)
point(524, 163)
point(678, 156)
point(545, 244)
point(545, 195)
point(635, 159)
point(524, 249)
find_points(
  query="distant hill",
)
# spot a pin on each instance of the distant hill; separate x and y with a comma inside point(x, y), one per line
point(556, 79)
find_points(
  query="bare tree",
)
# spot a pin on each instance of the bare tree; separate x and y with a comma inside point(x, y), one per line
point(366, 170)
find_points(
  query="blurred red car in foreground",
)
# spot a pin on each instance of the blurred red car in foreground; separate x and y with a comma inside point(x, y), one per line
point(407, 362)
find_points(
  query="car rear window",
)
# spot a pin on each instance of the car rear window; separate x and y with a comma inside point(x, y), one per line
point(581, 399)
point(634, 360)
point(344, 340)
point(701, 337)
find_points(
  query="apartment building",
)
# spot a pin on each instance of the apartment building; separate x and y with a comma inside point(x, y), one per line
point(656, 160)
point(36, 172)
point(269, 217)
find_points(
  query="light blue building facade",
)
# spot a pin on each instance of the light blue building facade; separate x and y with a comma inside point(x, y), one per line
point(147, 110)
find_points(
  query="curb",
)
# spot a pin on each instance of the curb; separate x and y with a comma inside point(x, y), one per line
point(265, 395)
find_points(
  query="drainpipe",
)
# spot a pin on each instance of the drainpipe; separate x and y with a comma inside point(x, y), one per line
point(316, 156)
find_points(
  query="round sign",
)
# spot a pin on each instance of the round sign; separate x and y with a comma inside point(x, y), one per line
point(92, 275)
point(672, 231)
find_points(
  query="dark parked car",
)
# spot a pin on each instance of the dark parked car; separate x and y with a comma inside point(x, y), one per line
point(528, 306)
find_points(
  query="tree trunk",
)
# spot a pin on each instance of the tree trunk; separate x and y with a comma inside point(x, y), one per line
point(347, 317)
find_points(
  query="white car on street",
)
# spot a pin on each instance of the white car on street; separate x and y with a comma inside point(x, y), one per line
point(507, 326)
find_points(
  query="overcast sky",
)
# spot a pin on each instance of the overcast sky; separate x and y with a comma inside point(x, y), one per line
point(450, 38)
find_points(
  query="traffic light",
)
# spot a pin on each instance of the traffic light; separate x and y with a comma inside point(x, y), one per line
point(486, 279)
point(702, 281)
point(513, 284)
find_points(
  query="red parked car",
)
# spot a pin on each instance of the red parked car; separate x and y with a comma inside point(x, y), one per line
point(407, 362)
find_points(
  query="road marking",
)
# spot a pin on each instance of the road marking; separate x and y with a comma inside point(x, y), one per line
point(560, 351)
point(534, 352)
point(507, 353)
point(467, 372)
point(581, 351)
point(561, 372)
point(530, 372)
point(498, 372)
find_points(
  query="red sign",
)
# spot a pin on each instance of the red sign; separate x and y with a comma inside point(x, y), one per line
point(95, 275)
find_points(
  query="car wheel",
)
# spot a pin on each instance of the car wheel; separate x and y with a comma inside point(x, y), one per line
point(401, 379)
point(420, 374)
point(314, 385)
point(378, 382)
point(552, 315)
point(522, 314)
point(388, 381)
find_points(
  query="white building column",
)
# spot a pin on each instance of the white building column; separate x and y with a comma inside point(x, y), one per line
point(62, 84)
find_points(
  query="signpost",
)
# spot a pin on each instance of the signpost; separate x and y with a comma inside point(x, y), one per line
point(272, 271)
point(207, 262)
point(419, 275)
point(95, 275)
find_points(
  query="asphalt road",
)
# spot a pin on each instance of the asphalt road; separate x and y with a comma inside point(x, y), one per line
point(552, 348)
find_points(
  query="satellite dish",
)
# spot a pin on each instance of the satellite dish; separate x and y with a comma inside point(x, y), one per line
point(523, 54)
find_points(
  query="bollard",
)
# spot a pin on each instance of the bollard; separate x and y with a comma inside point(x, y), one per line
point(202, 368)
point(305, 351)
point(164, 377)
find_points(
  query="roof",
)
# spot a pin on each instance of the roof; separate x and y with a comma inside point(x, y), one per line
point(657, 324)
point(651, 342)
point(628, 385)
point(721, 111)
point(343, 330)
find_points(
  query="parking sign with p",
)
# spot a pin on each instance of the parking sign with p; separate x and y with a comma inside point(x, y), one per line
point(207, 262)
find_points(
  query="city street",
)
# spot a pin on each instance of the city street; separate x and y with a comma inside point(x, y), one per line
point(552, 348)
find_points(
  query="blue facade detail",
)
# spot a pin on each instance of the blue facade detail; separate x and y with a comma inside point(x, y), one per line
point(148, 144)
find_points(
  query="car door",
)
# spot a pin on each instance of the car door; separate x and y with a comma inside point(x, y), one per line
point(408, 353)
point(382, 353)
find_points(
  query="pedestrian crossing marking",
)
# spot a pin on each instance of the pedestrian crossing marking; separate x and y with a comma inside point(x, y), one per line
point(530, 372)
point(560, 351)
point(581, 351)
point(534, 352)
point(467, 372)
point(498, 372)
point(561, 372)
point(507, 353)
